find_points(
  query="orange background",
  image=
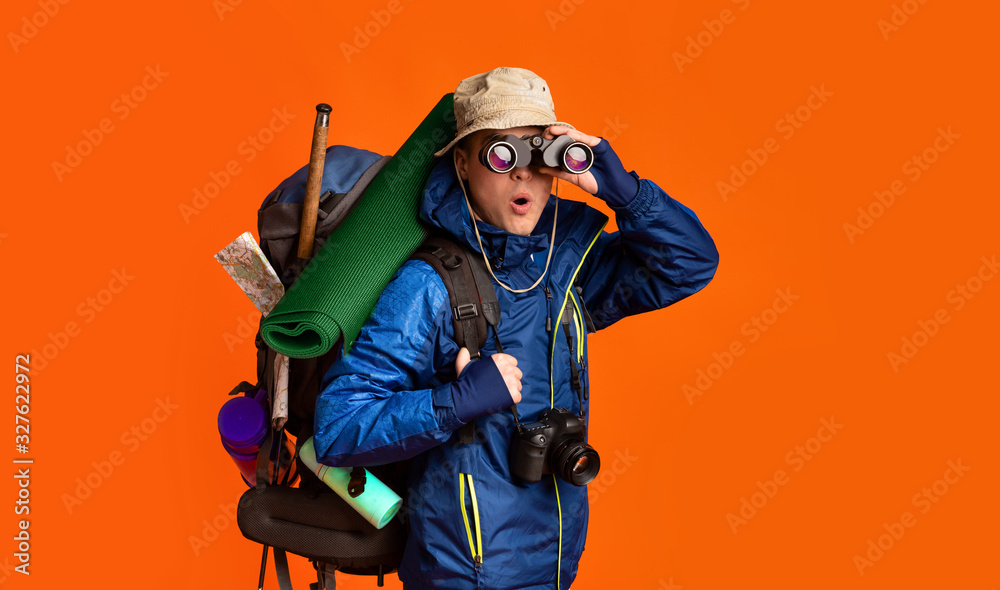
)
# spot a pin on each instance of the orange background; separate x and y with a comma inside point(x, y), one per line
point(660, 522)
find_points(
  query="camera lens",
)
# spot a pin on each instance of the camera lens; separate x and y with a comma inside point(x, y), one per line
point(577, 462)
point(578, 158)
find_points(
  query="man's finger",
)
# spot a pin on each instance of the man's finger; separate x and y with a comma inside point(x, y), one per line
point(587, 139)
point(553, 130)
point(576, 134)
point(461, 360)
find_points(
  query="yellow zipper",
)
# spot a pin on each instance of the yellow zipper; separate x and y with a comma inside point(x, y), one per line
point(552, 394)
point(578, 317)
point(552, 389)
point(477, 556)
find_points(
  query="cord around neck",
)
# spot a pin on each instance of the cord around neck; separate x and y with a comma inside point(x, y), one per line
point(475, 228)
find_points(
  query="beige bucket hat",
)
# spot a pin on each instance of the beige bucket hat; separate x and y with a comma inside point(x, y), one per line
point(500, 99)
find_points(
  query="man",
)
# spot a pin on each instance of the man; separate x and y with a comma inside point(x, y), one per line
point(406, 390)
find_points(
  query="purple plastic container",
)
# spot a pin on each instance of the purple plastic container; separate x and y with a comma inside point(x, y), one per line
point(247, 463)
point(243, 427)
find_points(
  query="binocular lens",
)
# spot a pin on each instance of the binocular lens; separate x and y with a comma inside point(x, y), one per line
point(501, 157)
point(578, 158)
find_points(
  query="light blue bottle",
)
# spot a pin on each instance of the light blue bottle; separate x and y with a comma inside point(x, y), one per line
point(378, 503)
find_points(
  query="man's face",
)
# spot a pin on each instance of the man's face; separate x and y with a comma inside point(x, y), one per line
point(512, 201)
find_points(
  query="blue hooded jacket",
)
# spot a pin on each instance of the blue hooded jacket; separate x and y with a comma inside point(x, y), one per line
point(391, 398)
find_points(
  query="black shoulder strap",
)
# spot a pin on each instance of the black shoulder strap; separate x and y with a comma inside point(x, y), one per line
point(484, 285)
point(474, 303)
point(455, 266)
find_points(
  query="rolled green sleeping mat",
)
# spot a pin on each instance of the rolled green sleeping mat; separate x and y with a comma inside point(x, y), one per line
point(337, 290)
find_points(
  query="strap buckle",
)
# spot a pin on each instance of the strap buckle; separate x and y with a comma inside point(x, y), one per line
point(465, 311)
point(356, 485)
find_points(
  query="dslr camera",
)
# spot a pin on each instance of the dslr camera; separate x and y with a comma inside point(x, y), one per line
point(554, 444)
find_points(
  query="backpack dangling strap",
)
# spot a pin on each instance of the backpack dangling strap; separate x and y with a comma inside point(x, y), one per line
point(244, 387)
point(281, 569)
point(589, 321)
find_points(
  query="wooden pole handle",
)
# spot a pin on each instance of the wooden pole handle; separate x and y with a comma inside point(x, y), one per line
point(317, 158)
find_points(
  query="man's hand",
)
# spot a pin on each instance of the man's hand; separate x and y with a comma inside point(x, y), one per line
point(508, 369)
point(586, 181)
point(607, 179)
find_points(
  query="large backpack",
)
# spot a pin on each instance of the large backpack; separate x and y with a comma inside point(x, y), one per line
point(311, 520)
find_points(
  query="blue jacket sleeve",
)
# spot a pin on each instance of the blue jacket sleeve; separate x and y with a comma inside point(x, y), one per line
point(394, 395)
point(660, 254)
point(375, 404)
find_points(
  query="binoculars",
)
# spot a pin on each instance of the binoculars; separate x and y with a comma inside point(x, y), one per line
point(503, 153)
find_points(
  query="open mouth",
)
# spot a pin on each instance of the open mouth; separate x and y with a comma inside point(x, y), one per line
point(521, 205)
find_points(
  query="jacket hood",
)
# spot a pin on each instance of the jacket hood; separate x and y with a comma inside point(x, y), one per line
point(443, 206)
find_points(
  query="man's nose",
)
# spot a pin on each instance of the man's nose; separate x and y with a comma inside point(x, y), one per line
point(522, 173)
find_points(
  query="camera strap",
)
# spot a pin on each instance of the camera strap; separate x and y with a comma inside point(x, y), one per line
point(573, 370)
point(513, 407)
point(491, 311)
